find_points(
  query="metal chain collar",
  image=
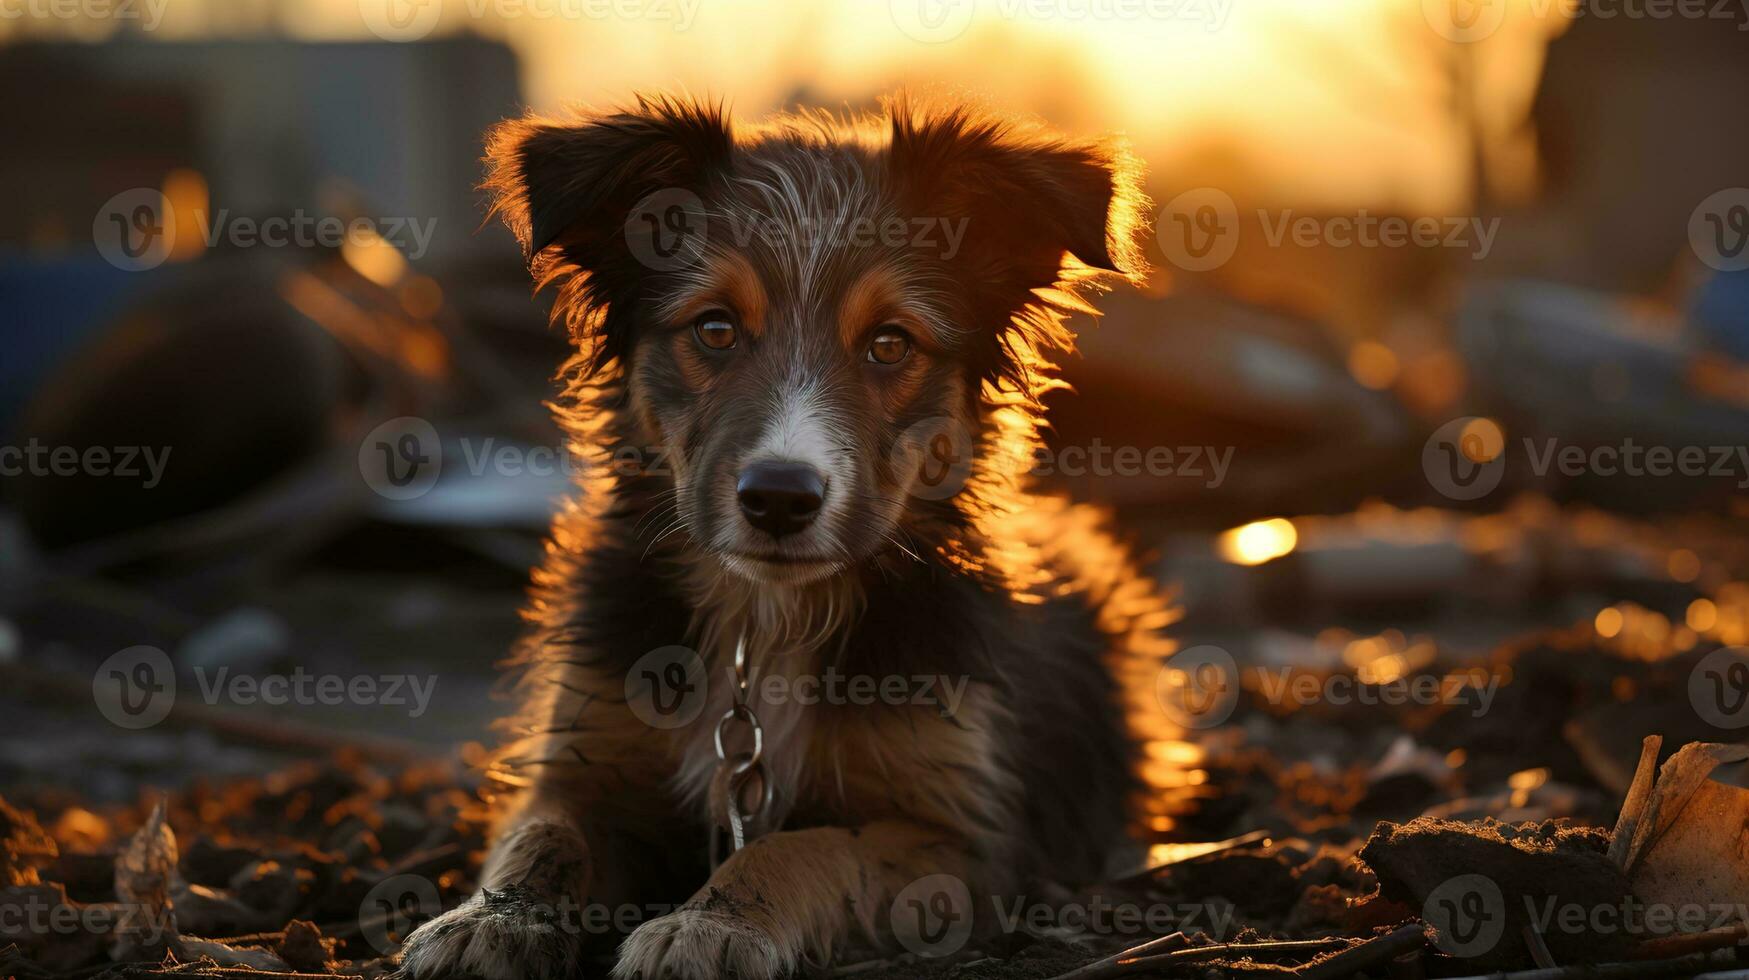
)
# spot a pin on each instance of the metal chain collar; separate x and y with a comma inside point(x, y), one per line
point(741, 779)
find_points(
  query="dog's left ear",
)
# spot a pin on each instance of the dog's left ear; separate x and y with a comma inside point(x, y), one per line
point(1027, 197)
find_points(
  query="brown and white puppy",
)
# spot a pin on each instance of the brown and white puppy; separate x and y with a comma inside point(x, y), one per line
point(809, 361)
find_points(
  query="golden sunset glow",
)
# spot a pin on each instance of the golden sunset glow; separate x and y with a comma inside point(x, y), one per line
point(1333, 103)
point(185, 193)
point(1258, 542)
point(1482, 440)
point(1373, 364)
point(1703, 615)
point(1233, 455)
point(373, 258)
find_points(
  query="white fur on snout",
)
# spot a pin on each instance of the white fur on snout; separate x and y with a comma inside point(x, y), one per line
point(802, 428)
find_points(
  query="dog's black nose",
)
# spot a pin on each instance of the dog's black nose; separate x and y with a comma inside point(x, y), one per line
point(780, 498)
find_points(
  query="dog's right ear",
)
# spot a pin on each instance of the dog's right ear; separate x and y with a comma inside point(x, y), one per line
point(567, 188)
point(570, 183)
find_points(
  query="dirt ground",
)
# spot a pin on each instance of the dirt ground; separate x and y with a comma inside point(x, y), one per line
point(1305, 834)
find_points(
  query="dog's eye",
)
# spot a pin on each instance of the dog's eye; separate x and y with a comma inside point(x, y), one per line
point(715, 330)
point(889, 346)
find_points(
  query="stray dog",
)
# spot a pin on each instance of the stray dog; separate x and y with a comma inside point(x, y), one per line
point(807, 380)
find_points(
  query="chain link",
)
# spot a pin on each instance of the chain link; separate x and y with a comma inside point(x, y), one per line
point(743, 771)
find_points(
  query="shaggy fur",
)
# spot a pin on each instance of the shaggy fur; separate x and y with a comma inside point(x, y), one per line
point(1024, 600)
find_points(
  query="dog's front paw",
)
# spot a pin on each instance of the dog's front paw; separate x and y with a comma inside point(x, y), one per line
point(496, 935)
point(702, 944)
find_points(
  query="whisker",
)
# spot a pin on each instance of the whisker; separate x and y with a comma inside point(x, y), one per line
point(895, 543)
point(677, 525)
point(655, 514)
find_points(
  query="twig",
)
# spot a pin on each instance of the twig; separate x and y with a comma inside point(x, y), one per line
point(1213, 847)
point(1124, 964)
point(131, 971)
point(1113, 966)
point(1370, 953)
point(1683, 944)
point(1633, 809)
point(252, 939)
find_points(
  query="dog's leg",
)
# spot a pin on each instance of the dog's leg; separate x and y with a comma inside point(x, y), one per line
point(788, 898)
point(523, 922)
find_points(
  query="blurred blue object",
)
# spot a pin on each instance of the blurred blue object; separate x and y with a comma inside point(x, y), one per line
point(52, 309)
point(1720, 314)
point(1559, 364)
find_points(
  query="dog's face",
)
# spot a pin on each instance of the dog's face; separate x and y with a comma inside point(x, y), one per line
point(782, 368)
point(799, 314)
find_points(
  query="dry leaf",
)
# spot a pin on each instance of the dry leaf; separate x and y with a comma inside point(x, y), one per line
point(1678, 779)
point(143, 873)
point(1683, 839)
point(1700, 859)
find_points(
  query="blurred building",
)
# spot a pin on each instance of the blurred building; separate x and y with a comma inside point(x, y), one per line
point(1637, 122)
point(271, 127)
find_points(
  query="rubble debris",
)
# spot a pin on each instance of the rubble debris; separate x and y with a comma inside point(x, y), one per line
point(1491, 876)
point(248, 895)
point(1685, 833)
point(22, 843)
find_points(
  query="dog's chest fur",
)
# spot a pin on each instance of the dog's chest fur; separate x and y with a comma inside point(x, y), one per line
point(787, 732)
point(833, 762)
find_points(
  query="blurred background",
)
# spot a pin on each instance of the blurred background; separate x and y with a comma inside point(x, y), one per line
point(1405, 251)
